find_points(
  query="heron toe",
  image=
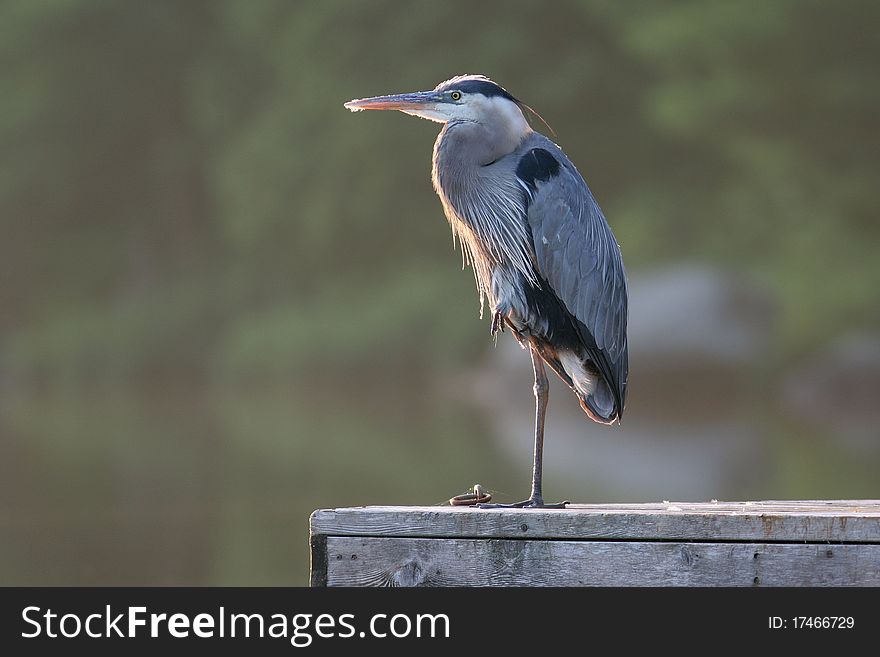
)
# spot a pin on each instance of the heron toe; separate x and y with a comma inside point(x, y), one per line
point(531, 503)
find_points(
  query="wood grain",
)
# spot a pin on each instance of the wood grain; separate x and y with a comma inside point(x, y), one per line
point(838, 521)
point(360, 561)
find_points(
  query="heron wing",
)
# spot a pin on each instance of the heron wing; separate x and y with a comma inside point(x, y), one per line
point(578, 256)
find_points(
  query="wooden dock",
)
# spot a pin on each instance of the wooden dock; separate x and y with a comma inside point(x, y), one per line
point(797, 543)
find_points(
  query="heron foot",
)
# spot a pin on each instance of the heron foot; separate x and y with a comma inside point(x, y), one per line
point(531, 503)
point(497, 324)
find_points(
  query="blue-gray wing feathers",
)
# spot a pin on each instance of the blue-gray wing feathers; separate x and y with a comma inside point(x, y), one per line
point(578, 256)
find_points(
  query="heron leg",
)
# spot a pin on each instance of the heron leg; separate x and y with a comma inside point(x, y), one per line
point(542, 394)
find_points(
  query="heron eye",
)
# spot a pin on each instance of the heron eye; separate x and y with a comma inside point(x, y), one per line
point(455, 95)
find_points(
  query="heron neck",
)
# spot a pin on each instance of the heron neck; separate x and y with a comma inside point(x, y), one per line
point(470, 144)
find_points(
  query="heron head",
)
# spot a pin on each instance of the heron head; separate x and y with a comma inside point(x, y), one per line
point(473, 98)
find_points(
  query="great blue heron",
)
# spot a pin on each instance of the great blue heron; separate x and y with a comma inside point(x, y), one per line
point(543, 255)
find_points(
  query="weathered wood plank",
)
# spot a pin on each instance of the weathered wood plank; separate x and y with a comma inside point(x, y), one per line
point(358, 561)
point(318, 560)
point(841, 521)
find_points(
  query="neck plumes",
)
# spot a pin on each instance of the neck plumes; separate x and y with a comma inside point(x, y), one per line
point(484, 203)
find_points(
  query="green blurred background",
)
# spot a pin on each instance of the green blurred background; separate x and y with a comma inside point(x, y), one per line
point(225, 301)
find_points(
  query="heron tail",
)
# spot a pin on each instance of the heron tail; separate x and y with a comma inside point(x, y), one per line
point(593, 392)
point(600, 405)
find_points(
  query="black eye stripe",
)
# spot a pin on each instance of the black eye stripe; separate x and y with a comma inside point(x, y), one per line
point(485, 87)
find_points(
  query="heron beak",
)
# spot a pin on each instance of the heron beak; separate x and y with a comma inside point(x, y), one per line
point(415, 101)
